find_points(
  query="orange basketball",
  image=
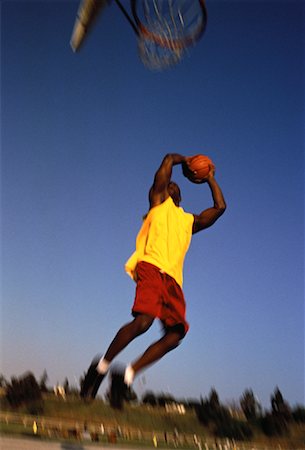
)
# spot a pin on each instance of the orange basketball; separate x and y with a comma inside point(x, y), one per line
point(197, 168)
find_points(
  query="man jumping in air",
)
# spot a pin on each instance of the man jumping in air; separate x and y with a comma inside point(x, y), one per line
point(157, 268)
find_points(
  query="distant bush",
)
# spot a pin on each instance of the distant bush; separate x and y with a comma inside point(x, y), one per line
point(222, 423)
point(152, 399)
point(298, 414)
point(25, 391)
point(250, 406)
point(149, 398)
point(277, 422)
point(233, 429)
point(273, 425)
point(208, 413)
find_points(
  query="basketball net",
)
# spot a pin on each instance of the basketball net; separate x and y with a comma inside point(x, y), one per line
point(158, 57)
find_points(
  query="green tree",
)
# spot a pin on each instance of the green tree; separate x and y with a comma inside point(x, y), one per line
point(25, 391)
point(66, 386)
point(214, 400)
point(163, 399)
point(43, 381)
point(218, 413)
point(298, 414)
point(203, 412)
point(280, 408)
point(149, 398)
point(211, 410)
point(276, 422)
point(234, 429)
point(250, 406)
point(273, 426)
point(212, 413)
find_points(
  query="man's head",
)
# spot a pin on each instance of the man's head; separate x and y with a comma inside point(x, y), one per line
point(174, 191)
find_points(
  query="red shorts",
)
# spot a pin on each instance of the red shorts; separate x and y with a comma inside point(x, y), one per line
point(159, 295)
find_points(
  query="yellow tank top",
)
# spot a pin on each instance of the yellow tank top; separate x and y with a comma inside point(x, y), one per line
point(163, 240)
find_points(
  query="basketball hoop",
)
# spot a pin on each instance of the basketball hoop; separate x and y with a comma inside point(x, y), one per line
point(157, 57)
point(167, 28)
point(174, 23)
point(164, 28)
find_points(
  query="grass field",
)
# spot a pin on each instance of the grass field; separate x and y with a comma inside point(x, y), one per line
point(135, 425)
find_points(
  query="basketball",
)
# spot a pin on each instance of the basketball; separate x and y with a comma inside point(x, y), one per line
point(197, 168)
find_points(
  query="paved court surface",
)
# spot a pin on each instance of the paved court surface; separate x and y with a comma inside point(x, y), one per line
point(8, 443)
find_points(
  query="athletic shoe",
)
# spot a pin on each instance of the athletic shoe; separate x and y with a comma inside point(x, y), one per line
point(92, 381)
point(118, 389)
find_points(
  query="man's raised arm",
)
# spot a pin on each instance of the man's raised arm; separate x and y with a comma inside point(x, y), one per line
point(158, 192)
point(209, 216)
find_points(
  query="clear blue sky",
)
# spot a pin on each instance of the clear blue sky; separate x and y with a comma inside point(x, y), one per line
point(82, 135)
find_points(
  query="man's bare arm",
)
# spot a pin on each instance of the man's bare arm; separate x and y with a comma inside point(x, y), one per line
point(209, 216)
point(158, 192)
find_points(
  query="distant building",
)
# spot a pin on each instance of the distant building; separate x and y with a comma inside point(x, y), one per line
point(175, 408)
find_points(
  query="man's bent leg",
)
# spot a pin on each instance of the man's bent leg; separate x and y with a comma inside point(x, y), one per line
point(122, 380)
point(140, 324)
point(156, 351)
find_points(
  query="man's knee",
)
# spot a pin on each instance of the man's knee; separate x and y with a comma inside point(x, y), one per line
point(173, 339)
point(142, 323)
point(177, 330)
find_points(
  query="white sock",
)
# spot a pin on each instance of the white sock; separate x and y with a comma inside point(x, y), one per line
point(129, 375)
point(103, 366)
